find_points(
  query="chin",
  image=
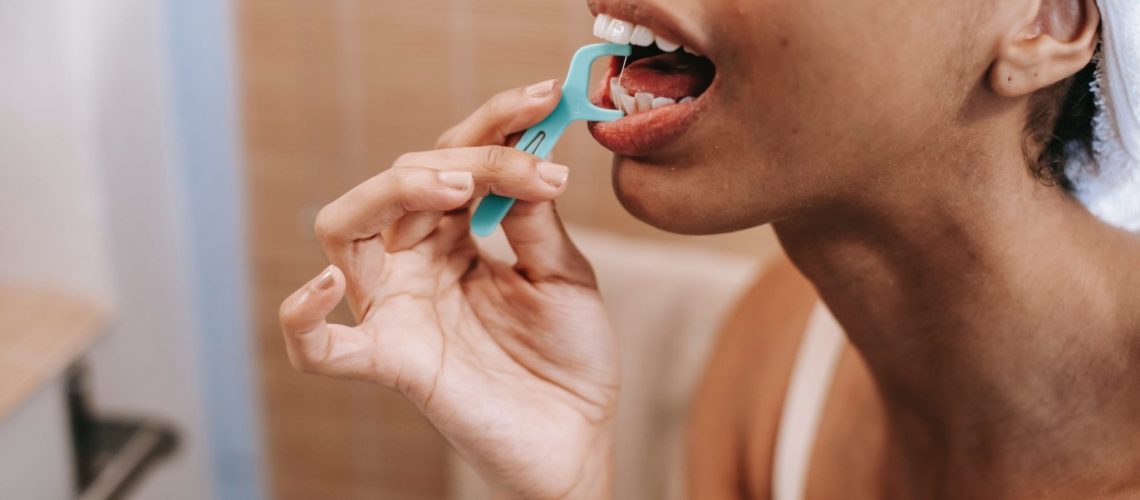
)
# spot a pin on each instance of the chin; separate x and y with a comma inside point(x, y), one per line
point(666, 198)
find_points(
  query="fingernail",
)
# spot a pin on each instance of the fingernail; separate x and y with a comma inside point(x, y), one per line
point(542, 89)
point(324, 281)
point(461, 181)
point(553, 173)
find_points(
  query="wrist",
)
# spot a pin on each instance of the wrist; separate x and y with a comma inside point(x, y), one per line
point(596, 479)
point(593, 480)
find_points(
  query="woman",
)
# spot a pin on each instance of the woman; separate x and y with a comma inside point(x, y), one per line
point(911, 157)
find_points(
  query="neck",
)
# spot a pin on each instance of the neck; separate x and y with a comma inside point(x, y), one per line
point(997, 318)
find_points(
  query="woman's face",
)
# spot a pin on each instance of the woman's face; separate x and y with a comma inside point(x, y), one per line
point(813, 102)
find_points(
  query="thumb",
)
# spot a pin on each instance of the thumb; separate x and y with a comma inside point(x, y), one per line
point(544, 249)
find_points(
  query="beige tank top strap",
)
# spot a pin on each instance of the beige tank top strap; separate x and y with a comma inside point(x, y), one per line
point(804, 401)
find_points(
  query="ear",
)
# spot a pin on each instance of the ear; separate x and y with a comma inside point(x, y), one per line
point(1052, 41)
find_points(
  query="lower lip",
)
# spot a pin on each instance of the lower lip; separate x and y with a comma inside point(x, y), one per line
point(648, 133)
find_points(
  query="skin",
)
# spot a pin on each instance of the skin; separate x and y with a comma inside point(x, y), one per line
point(515, 364)
point(994, 321)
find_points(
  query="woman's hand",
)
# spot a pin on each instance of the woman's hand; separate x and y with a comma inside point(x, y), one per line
point(515, 365)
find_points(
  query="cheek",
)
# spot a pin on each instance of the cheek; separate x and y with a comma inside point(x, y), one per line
point(825, 90)
point(818, 99)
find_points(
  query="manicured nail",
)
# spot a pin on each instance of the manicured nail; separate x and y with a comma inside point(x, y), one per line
point(324, 281)
point(540, 90)
point(461, 181)
point(553, 173)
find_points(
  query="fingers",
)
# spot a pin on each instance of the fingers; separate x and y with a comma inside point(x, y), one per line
point(504, 114)
point(349, 229)
point(308, 338)
point(544, 250)
point(496, 169)
point(539, 240)
point(359, 228)
point(436, 181)
point(411, 230)
point(379, 202)
point(316, 347)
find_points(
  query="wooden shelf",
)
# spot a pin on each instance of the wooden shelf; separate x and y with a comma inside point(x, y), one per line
point(41, 333)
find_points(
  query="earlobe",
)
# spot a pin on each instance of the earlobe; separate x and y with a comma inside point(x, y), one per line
point(1056, 42)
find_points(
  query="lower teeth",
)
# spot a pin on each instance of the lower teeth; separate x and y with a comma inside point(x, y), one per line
point(640, 102)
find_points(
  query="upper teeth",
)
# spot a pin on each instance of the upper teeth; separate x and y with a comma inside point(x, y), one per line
point(625, 33)
point(639, 102)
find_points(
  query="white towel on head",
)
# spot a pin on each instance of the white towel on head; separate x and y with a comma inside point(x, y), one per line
point(1109, 182)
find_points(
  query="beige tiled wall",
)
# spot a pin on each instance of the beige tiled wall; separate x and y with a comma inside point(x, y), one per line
point(333, 91)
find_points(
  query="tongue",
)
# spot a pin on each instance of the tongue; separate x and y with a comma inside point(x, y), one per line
point(674, 75)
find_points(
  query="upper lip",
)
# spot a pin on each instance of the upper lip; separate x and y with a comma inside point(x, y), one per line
point(649, 15)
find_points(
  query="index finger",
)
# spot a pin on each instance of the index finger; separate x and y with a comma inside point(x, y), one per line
point(506, 113)
point(373, 206)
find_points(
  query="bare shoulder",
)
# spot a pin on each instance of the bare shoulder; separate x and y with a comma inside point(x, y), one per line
point(736, 409)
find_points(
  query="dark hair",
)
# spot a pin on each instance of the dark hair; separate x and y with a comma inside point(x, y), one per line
point(1060, 126)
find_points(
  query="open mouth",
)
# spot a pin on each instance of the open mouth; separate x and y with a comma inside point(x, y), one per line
point(660, 87)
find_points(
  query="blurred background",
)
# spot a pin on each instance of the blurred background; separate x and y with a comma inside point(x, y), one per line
point(161, 163)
